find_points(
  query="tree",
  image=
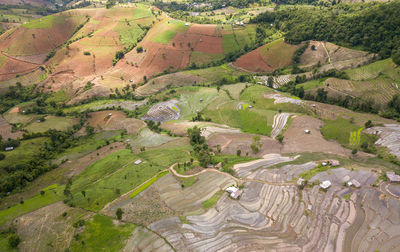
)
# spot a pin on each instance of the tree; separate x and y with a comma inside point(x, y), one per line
point(83, 193)
point(280, 138)
point(368, 124)
point(270, 82)
point(2, 156)
point(238, 153)
point(354, 151)
point(396, 56)
point(13, 240)
point(89, 130)
point(139, 49)
point(119, 213)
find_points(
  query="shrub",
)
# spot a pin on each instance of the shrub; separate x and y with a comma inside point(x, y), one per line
point(139, 49)
point(13, 240)
point(86, 53)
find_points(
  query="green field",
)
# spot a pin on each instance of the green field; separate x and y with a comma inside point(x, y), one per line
point(311, 84)
point(58, 97)
point(190, 103)
point(229, 44)
point(25, 152)
point(101, 234)
point(51, 122)
point(129, 32)
point(201, 58)
point(141, 13)
point(52, 194)
point(116, 174)
point(41, 23)
point(173, 27)
point(339, 130)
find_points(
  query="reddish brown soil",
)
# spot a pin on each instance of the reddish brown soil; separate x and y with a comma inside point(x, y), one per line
point(13, 67)
point(253, 62)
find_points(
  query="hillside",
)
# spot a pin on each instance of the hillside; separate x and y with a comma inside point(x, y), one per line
point(235, 125)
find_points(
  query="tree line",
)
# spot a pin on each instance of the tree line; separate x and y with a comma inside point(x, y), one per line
point(374, 27)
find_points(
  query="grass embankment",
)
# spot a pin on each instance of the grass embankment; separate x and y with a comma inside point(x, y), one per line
point(147, 184)
point(213, 200)
point(312, 172)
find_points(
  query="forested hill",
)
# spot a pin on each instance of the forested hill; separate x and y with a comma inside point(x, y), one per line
point(371, 26)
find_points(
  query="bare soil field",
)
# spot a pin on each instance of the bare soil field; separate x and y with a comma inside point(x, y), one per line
point(6, 132)
point(170, 80)
point(102, 120)
point(46, 230)
point(231, 142)
point(296, 140)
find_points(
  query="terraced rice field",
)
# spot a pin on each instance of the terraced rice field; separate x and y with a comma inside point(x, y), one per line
point(280, 121)
point(274, 214)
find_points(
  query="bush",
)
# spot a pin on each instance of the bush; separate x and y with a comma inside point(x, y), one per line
point(86, 53)
point(119, 213)
point(2, 156)
point(354, 151)
point(13, 240)
point(139, 49)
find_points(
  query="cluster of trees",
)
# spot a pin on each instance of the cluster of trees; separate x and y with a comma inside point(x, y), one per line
point(200, 147)
point(372, 26)
point(393, 110)
point(203, 5)
point(17, 94)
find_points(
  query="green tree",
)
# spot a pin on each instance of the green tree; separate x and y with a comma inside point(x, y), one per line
point(119, 213)
point(89, 130)
point(396, 56)
point(13, 240)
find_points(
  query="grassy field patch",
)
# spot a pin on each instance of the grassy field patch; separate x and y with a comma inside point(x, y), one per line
point(51, 122)
point(339, 130)
point(52, 194)
point(312, 172)
point(101, 233)
point(40, 23)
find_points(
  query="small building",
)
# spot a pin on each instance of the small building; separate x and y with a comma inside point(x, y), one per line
point(233, 191)
point(301, 182)
point(110, 114)
point(349, 184)
point(393, 177)
point(355, 183)
point(325, 184)
point(250, 106)
point(324, 163)
point(201, 99)
point(334, 163)
point(9, 148)
point(307, 131)
point(309, 207)
point(186, 24)
point(137, 162)
point(314, 105)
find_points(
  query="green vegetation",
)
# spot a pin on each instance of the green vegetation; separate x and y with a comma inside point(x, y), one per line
point(312, 172)
point(213, 200)
point(52, 194)
point(51, 122)
point(173, 27)
point(101, 233)
point(147, 184)
point(187, 182)
point(140, 12)
point(339, 130)
point(116, 174)
point(41, 23)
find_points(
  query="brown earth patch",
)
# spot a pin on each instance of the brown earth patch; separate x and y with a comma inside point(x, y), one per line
point(296, 140)
point(102, 120)
point(253, 62)
point(231, 142)
point(6, 130)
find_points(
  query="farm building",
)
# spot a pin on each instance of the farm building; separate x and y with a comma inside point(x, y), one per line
point(9, 148)
point(301, 182)
point(393, 177)
point(334, 162)
point(307, 131)
point(234, 192)
point(326, 184)
point(137, 162)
